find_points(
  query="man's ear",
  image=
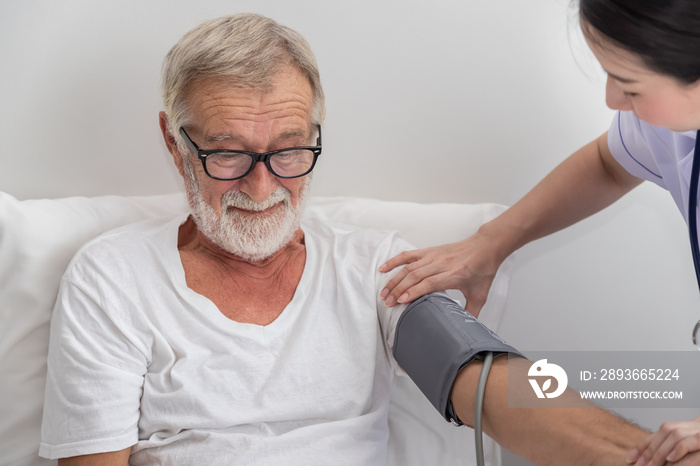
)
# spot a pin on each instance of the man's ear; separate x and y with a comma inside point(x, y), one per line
point(171, 144)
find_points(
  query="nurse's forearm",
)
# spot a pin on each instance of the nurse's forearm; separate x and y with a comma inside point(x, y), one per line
point(583, 184)
point(566, 431)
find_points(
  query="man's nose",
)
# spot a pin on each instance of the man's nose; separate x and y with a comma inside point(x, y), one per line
point(259, 184)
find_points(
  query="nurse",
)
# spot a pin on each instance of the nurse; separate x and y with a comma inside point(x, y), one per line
point(650, 50)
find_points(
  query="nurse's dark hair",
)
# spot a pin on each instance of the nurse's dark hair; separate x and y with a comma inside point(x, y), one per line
point(665, 34)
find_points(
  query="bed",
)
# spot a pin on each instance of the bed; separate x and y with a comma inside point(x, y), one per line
point(39, 237)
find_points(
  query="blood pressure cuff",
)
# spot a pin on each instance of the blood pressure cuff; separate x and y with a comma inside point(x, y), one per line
point(435, 338)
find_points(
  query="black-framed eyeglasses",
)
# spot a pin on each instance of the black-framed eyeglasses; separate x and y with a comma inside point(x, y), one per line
point(227, 165)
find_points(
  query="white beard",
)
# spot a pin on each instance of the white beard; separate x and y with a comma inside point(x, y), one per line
point(248, 237)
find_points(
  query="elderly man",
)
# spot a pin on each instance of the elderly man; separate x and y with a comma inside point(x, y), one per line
point(237, 335)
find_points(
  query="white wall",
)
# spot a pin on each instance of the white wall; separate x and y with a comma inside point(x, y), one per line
point(450, 101)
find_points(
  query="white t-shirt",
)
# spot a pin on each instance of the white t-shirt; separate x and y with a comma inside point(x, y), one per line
point(655, 154)
point(137, 357)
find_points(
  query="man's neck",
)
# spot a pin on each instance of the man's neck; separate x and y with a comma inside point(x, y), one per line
point(243, 290)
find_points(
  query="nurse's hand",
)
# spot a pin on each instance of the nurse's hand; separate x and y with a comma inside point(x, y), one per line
point(691, 459)
point(672, 442)
point(468, 266)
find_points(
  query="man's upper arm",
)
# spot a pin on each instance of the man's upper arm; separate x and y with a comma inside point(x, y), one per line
point(95, 373)
point(112, 458)
point(389, 316)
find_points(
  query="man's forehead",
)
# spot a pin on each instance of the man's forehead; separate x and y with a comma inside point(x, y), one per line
point(231, 135)
point(287, 83)
point(216, 107)
point(226, 100)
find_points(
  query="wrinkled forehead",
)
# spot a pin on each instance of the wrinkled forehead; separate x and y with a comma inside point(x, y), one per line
point(219, 108)
point(286, 83)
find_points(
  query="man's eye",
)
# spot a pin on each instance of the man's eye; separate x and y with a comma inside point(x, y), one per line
point(287, 154)
point(229, 156)
point(227, 159)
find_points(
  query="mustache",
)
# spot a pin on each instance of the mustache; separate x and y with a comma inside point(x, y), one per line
point(239, 199)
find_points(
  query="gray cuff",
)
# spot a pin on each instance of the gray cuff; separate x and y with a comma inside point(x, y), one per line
point(435, 338)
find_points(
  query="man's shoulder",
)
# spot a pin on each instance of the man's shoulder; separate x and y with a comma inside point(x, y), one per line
point(142, 230)
point(353, 241)
point(131, 241)
point(322, 227)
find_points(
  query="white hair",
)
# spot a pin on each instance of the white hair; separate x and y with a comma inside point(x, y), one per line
point(244, 50)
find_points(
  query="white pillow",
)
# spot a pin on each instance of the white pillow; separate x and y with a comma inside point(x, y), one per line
point(39, 237)
point(37, 240)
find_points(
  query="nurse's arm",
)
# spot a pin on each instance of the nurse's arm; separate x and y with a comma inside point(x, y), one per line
point(586, 182)
point(573, 433)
